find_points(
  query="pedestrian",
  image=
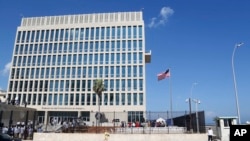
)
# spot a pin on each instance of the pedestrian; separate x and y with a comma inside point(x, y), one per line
point(106, 135)
point(210, 134)
point(22, 131)
point(30, 132)
point(133, 124)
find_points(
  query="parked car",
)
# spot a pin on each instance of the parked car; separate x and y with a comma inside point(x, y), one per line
point(6, 137)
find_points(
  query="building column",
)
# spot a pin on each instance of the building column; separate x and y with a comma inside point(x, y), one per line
point(45, 118)
point(79, 114)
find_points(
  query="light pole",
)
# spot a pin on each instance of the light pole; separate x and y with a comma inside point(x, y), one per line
point(191, 93)
point(235, 85)
point(190, 106)
point(196, 101)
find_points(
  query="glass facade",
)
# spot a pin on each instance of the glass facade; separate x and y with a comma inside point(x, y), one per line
point(56, 65)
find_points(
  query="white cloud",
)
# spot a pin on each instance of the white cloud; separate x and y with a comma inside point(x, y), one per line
point(6, 68)
point(162, 19)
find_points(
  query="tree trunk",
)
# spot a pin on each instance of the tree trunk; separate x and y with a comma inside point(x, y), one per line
point(99, 114)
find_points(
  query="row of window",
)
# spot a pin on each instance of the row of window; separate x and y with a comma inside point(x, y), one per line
point(75, 34)
point(77, 72)
point(78, 59)
point(80, 99)
point(74, 85)
point(98, 46)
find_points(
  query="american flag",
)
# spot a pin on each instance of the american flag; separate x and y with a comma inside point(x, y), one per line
point(163, 75)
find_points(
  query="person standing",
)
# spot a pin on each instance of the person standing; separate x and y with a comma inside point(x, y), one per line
point(210, 134)
point(106, 135)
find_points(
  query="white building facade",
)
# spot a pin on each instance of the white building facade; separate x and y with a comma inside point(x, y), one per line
point(2, 96)
point(57, 58)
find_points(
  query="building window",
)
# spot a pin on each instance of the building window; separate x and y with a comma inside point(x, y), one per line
point(124, 32)
point(141, 84)
point(37, 36)
point(111, 99)
point(55, 99)
point(82, 34)
point(44, 99)
point(62, 85)
point(93, 99)
point(29, 99)
point(60, 99)
point(72, 85)
point(140, 71)
point(141, 99)
point(123, 71)
point(135, 84)
point(56, 85)
point(129, 99)
point(18, 36)
point(117, 85)
point(82, 99)
point(88, 99)
point(135, 98)
point(129, 32)
point(79, 59)
point(108, 33)
point(34, 99)
point(117, 99)
point(68, 72)
point(105, 99)
point(134, 32)
point(113, 32)
point(71, 99)
point(140, 31)
point(123, 98)
point(42, 36)
point(123, 84)
point(66, 99)
point(118, 32)
point(78, 84)
point(129, 84)
point(61, 34)
point(77, 99)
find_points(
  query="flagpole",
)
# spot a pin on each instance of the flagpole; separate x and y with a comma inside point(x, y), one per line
point(170, 94)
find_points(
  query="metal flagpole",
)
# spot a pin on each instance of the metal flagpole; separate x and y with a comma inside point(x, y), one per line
point(170, 94)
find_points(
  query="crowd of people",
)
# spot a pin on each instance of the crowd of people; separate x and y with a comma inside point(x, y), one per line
point(18, 131)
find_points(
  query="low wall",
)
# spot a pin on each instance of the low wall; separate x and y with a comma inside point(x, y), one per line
point(118, 137)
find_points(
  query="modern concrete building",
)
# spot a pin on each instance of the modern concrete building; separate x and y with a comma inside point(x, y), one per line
point(57, 58)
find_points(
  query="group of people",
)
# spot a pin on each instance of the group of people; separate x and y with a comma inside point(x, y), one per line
point(12, 102)
point(131, 124)
point(18, 131)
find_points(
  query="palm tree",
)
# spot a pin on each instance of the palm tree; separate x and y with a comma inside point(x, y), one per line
point(98, 88)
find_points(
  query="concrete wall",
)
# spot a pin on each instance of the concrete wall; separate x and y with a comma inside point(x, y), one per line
point(118, 137)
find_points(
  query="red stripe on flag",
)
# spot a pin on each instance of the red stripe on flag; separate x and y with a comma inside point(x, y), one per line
point(163, 75)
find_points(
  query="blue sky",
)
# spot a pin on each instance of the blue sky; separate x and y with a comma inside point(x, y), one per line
point(195, 38)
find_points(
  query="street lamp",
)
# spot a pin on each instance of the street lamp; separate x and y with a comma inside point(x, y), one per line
point(190, 106)
point(191, 94)
point(235, 86)
point(196, 101)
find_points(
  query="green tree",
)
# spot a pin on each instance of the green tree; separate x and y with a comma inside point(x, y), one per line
point(98, 88)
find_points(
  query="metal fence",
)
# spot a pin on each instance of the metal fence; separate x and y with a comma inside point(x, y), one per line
point(126, 122)
point(141, 122)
